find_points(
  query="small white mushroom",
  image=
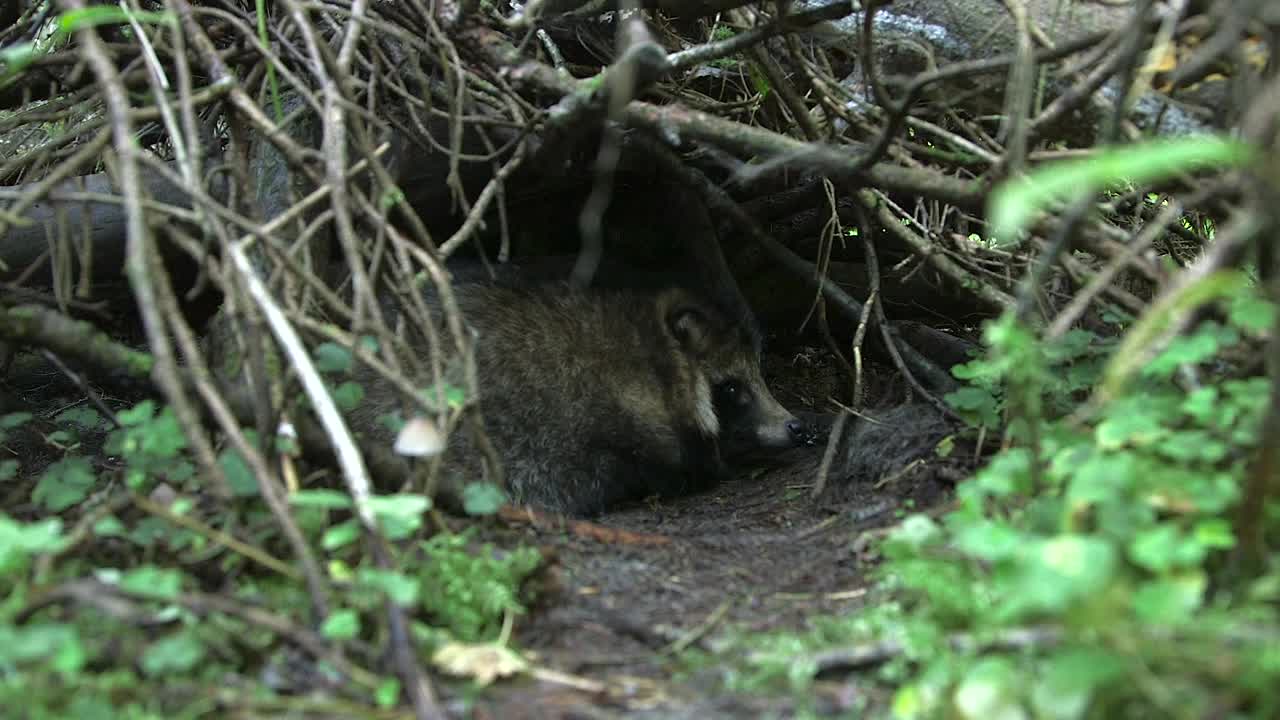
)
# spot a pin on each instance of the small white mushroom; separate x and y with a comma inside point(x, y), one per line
point(419, 438)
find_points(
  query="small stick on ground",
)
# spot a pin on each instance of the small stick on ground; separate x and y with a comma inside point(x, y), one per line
point(580, 528)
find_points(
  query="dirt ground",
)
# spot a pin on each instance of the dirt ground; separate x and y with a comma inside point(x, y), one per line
point(755, 554)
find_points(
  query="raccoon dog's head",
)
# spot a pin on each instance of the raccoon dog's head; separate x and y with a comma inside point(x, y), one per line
point(733, 401)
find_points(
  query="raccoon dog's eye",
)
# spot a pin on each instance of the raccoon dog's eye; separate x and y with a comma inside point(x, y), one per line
point(732, 391)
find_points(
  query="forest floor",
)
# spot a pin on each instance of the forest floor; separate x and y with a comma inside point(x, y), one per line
point(616, 614)
point(752, 555)
point(755, 555)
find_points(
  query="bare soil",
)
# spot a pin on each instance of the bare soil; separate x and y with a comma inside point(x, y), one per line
point(755, 554)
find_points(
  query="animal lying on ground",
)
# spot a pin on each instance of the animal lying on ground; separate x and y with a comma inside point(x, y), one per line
point(595, 397)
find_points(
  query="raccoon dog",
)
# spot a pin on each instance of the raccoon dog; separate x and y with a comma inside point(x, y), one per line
point(595, 397)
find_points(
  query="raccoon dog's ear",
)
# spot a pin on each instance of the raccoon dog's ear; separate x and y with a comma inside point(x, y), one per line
point(689, 326)
point(685, 319)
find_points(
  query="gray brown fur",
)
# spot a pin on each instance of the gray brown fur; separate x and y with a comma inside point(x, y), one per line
point(885, 443)
point(595, 397)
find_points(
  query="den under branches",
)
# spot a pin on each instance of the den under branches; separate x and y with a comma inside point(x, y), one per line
point(197, 196)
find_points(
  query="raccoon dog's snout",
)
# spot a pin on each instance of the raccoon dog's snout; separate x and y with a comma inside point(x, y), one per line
point(751, 418)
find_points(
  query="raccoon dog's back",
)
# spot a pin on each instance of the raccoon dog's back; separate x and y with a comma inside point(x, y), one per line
point(592, 397)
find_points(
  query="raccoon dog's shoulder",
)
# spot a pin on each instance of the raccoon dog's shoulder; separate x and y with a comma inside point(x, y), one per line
point(594, 397)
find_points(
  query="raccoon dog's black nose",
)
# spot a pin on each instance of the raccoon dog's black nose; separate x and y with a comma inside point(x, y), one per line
point(799, 431)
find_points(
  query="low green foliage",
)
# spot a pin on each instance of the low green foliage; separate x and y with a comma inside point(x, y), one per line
point(1083, 574)
point(1014, 204)
point(723, 32)
point(129, 637)
point(153, 444)
point(482, 498)
point(64, 484)
point(471, 591)
point(331, 358)
point(88, 17)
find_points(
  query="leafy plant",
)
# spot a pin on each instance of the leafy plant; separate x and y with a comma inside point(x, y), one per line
point(1080, 575)
point(152, 445)
point(467, 592)
point(1015, 203)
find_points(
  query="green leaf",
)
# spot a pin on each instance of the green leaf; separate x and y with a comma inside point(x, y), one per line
point(73, 20)
point(1102, 478)
point(1070, 678)
point(147, 442)
point(1074, 345)
point(400, 588)
point(913, 701)
point(392, 421)
point(65, 483)
point(1170, 601)
point(1015, 203)
point(454, 397)
point(178, 653)
point(239, 476)
point(387, 693)
point(9, 469)
point(63, 438)
point(1188, 350)
point(137, 414)
point(348, 395)
point(340, 535)
point(1190, 446)
point(149, 531)
point(759, 80)
point(1250, 312)
point(1158, 317)
point(1080, 558)
point(179, 471)
point(1156, 549)
point(1138, 419)
point(342, 624)
point(399, 516)
point(989, 691)
point(18, 56)
point(152, 582)
point(482, 498)
point(331, 357)
point(13, 420)
point(1215, 533)
point(20, 540)
point(57, 642)
point(1056, 573)
point(1251, 393)
point(82, 416)
point(1132, 423)
point(981, 403)
point(990, 541)
point(1006, 473)
point(109, 526)
point(1201, 403)
point(916, 531)
point(400, 505)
